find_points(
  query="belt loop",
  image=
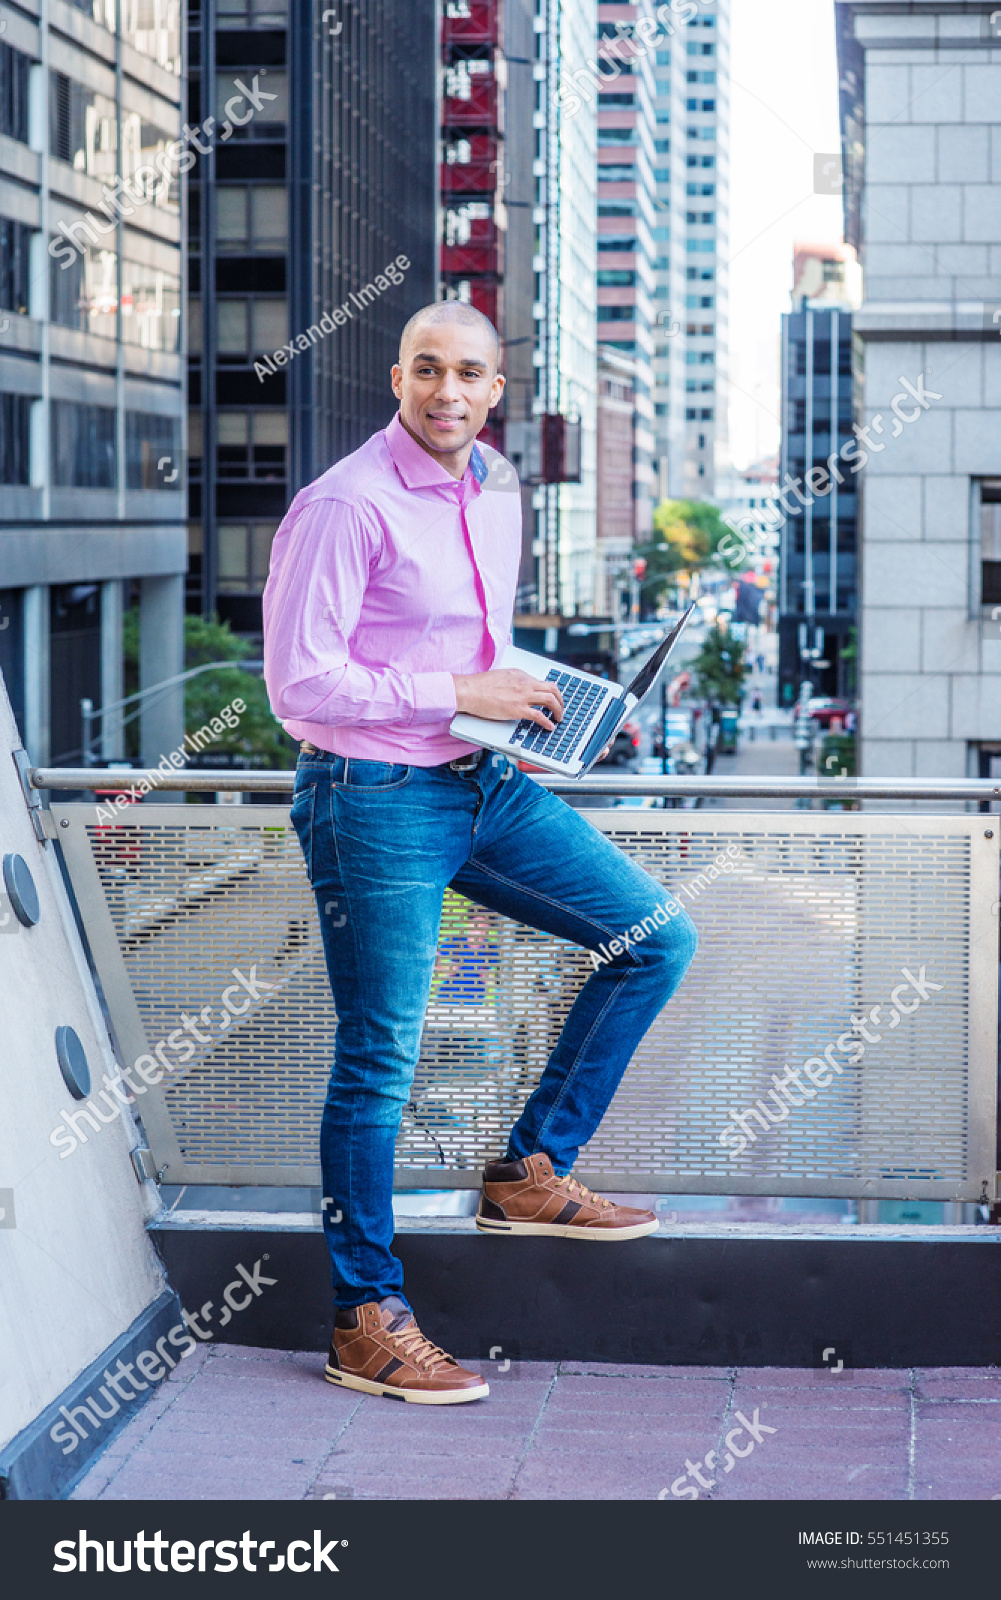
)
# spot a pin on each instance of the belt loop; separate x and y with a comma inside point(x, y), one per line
point(344, 774)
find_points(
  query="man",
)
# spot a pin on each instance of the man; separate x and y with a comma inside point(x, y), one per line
point(390, 598)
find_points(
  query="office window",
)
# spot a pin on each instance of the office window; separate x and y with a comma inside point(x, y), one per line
point(252, 217)
point(251, 327)
point(15, 413)
point(252, 14)
point(700, 161)
point(253, 445)
point(607, 243)
point(15, 249)
point(83, 446)
point(153, 27)
point(102, 11)
point(700, 49)
point(152, 451)
point(151, 307)
point(617, 100)
point(83, 128)
point(232, 327)
point(268, 325)
point(990, 543)
point(705, 189)
point(244, 556)
point(266, 123)
point(616, 136)
point(617, 313)
point(617, 174)
point(662, 146)
point(84, 292)
point(614, 278)
point(13, 93)
point(142, 144)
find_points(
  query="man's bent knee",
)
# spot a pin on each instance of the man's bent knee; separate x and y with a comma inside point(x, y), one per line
point(669, 940)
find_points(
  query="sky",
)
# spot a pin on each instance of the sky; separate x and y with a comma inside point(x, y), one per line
point(784, 109)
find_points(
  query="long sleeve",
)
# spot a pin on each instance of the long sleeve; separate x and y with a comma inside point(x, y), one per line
point(323, 559)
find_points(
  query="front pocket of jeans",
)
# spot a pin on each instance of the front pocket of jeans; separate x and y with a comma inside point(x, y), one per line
point(375, 777)
point(303, 821)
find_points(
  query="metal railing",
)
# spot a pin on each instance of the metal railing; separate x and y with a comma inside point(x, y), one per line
point(627, 785)
point(805, 939)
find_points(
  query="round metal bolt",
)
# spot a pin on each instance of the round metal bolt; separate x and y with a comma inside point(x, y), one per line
point(988, 833)
point(64, 822)
point(73, 1064)
point(21, 891)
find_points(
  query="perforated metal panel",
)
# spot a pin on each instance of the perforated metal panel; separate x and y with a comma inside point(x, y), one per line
point(814, 925)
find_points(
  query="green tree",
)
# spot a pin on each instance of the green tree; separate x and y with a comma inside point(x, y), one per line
point(259, 737)
point(686, 536)
point(719, 668)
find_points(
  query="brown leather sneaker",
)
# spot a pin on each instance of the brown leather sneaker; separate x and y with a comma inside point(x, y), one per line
point(379, 1349)
point(527, 1197)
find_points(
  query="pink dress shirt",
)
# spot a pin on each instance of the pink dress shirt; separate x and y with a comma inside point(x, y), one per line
point(388, 575)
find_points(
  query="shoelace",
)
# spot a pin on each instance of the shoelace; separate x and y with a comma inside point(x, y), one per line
point(418, 1349)
point(573, 1185)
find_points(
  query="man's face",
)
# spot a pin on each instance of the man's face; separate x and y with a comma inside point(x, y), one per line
point(446, 383)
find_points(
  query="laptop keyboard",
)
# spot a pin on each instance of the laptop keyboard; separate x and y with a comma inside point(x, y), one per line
point(580, 701)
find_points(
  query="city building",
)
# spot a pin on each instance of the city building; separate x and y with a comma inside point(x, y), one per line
point(565, 310)
point(919, 104)
point(316, 228)
point(745, 495)
point(627, 134)
point(691, 236)
point(817, 566)
point(91, 366)
point(616, 499)
point(488, 199)
point(818, 577)
point(517, 197)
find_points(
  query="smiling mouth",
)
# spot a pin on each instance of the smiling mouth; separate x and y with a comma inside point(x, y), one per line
point(444, 419)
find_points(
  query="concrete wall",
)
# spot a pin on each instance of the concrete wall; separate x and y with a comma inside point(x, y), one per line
point(931, 254)
point(76, 1267)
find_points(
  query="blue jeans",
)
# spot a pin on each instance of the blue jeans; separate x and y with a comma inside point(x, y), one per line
point(382, 842)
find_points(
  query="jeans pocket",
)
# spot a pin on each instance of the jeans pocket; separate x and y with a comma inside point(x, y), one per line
point(376, 775)
point(303, 821)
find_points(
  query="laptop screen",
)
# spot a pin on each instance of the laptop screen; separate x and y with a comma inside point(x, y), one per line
point(647, 676)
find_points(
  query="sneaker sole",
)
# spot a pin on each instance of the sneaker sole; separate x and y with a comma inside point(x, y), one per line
point(419, 1397)
point(553, 1230)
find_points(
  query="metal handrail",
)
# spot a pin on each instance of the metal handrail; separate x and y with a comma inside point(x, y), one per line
point(766, 788)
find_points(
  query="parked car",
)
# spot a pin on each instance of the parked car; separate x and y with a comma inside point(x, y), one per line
point(823, 707)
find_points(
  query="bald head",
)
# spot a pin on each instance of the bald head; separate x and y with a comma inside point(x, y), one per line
point(449, 311)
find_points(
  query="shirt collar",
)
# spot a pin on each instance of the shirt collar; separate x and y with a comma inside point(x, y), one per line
point(419, 470)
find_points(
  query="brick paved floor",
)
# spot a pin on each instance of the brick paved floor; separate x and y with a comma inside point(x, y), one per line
point(236, 1423)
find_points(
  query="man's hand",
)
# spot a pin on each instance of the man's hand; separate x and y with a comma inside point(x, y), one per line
point(507, 695)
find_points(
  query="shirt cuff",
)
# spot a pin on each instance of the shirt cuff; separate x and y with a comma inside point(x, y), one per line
point(434, 698)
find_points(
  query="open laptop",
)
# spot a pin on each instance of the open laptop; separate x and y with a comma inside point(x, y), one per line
point(593, 711)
